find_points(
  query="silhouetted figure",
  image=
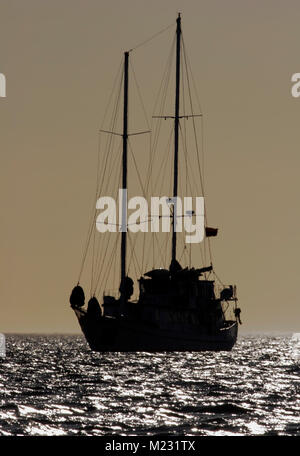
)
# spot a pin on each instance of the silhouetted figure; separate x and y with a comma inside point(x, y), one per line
point(237, 313)
point(94, 309)
point(126, 288)
point(77, 297)
point(227, 293)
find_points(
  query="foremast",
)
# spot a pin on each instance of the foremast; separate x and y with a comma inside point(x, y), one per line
point(124, 177)
point(176, 133)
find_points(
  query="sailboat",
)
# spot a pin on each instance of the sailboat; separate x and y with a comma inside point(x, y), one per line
point(177, 308)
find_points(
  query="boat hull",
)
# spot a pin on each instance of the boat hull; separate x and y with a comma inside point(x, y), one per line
point(125, 335)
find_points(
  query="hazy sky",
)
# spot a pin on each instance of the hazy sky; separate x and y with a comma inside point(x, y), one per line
point(59, 58)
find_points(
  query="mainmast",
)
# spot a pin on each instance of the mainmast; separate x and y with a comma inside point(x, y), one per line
point(176, 131)
point(124, 175)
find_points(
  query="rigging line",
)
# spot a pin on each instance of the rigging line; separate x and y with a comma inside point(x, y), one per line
point(193, 79)
point(131, 255)
point(202, 120)
point(114, 272)
point(160, 248)
point(202, 148)
point(209, 248)
point(134, 256)
point(168, 238)
point(110, 139)
point(102, 278)
point(191, 104)
point(139, 133)
point(128, 224)
point(109, 144)
point(152, 37)
point(139, 93)
point(198, 159)
point(162, 94)
point(137, 171)
point(156, 242)
point(110, 132)
point(181, 238)
point(112, 92)
point(183, 251)
point(111, 125)
point(101, 260)
point(109, 179)
point(198, 101)
point(188, 163)
point(184, 146)
point(166, 249)
point(93, 250)
point(186, 251)
point(103, 271)
point(136, 168)
point(153, 250)
point(91, 223)
point(215, 274)
point(183, 131)
point(151, 246)
point(164, 174)
point(99, 148)
point(186, 116)
point(183, 135)
point(113, 255)
point(105, 278)
point(196, 141)
point(113, 162)
point(140, 180)
point(163, 165)
point(144, 237)
point(93, 227)
point(100, 265)
point(86, 249)
point(114, 156)
point(194, 126)
point(96, 258)
point(165, 74)
point(150, 250)
point(92, 218)
point(160, 251)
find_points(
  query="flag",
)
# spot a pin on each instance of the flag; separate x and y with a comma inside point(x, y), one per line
point(210, 232)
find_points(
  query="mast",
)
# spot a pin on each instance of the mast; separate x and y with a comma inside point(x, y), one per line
point(124, 175)
point(176, 131)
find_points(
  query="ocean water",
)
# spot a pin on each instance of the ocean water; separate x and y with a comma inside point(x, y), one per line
point(54, 385)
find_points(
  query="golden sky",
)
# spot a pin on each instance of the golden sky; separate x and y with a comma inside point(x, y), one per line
point(59, 58)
